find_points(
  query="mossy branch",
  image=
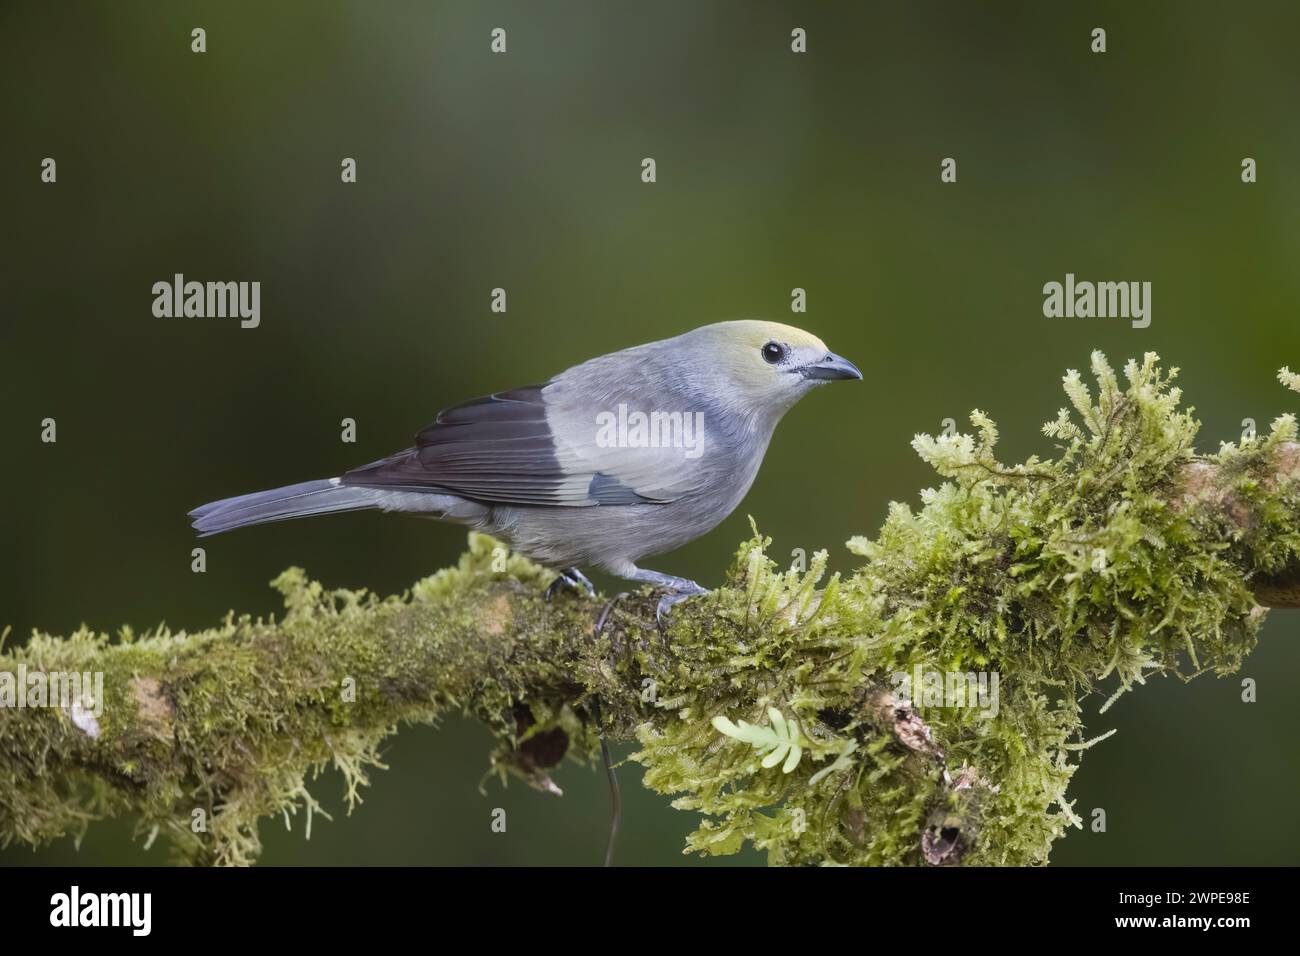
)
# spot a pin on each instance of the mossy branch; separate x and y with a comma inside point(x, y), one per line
point(776, 709)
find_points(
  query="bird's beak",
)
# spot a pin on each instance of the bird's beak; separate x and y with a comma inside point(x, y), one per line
point(831, 368)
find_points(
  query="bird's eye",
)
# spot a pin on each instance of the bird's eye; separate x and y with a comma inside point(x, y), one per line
point(773, 353)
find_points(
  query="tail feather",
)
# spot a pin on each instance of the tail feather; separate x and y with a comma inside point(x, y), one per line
point(325, 496)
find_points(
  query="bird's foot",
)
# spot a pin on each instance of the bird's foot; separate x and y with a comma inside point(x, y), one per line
point(679, 591)
point(570, 579)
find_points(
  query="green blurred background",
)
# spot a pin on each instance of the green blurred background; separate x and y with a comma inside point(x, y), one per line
point(522, 170)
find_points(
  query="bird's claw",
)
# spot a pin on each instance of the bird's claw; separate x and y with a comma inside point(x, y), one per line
point(663, 610)
point(570, 579)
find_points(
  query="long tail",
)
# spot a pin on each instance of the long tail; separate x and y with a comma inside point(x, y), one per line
point(325, 496)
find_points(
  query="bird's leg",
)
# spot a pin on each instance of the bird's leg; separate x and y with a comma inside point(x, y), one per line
point(573, 579)
point(582, 582)
point(678, 589)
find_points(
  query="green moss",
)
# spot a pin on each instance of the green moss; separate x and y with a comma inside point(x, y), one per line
point(202, 735)
point(1055, 575)
point(1122, 556)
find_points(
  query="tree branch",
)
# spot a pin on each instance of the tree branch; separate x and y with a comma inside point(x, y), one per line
point(808, 722)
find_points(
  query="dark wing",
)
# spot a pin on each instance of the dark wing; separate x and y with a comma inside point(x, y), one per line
point(498, 450)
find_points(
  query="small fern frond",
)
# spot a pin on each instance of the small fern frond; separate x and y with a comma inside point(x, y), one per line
point(775, 743)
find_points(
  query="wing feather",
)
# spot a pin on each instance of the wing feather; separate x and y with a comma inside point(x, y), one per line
point(538, 446)
point(497, 449)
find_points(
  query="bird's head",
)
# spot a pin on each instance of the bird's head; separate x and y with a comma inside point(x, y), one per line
point(766, 366)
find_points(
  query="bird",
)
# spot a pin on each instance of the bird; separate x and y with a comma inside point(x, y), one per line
point(622, 457)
